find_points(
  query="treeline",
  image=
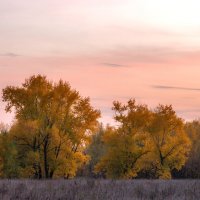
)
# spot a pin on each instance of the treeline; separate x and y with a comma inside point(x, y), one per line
point(56, 133)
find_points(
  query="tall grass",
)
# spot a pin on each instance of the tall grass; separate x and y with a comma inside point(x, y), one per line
point(91, 189)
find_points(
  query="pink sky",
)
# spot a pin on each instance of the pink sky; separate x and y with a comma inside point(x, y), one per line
point(107, 49)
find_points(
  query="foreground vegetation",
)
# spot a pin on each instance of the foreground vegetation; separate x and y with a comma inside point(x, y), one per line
point(56, 134)
point(91, 189)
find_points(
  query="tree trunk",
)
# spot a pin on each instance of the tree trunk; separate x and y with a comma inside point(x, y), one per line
point(51, 174)
point(39, 172)
point(46, 167)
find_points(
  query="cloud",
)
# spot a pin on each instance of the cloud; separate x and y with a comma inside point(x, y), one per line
point(140, 54)
point(152, 54)
point(9, 54)
point(164, 87)
point(112, 65)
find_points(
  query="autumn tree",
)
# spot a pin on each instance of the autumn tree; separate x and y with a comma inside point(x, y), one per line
point(95, 151)
point(53, 123)
point(8, 154)
point(144, 140)
point(170, 142)
point(191, 167)
point(127, 146)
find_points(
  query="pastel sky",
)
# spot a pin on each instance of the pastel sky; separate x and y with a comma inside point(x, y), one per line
point(107, 49)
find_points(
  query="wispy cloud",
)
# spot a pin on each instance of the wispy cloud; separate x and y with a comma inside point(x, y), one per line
point(9, 54)
point(153, 54)
point(164, 87)
point(112, 64)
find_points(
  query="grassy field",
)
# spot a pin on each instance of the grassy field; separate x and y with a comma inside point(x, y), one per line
point(90, 189)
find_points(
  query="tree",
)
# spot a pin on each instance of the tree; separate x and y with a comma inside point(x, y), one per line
point(8, 155)
point(146, 140)
point(171, 144)
point(192, 165)
point(95, 151)
point(53, 124)
point(128, 145)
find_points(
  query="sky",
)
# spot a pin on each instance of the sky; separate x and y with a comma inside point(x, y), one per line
point(107, 49)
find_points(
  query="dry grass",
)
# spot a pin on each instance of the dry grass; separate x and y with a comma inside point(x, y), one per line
point(90, 189)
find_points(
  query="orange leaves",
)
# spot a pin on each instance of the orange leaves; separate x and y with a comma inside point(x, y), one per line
point(52, 122)
point(144, 137)
point(169, 138)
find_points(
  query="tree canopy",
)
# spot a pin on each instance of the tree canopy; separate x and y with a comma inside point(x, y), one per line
point(144, 138)
point(53, 123)
point(56, 133)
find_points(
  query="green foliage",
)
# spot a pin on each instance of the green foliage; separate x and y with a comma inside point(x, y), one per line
point(95, 151)
point(8, 157)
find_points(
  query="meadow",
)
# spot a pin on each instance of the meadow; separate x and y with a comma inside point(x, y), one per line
point(96, 189)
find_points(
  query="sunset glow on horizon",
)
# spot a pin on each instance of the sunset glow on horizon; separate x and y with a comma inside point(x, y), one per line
point(107, 50)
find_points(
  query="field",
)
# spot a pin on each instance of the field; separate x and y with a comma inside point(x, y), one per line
point(90, 189)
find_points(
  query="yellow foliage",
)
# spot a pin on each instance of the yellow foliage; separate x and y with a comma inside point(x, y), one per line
point(127, 146)
point(52, 126)
point(144, 139)
point(171, 143)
